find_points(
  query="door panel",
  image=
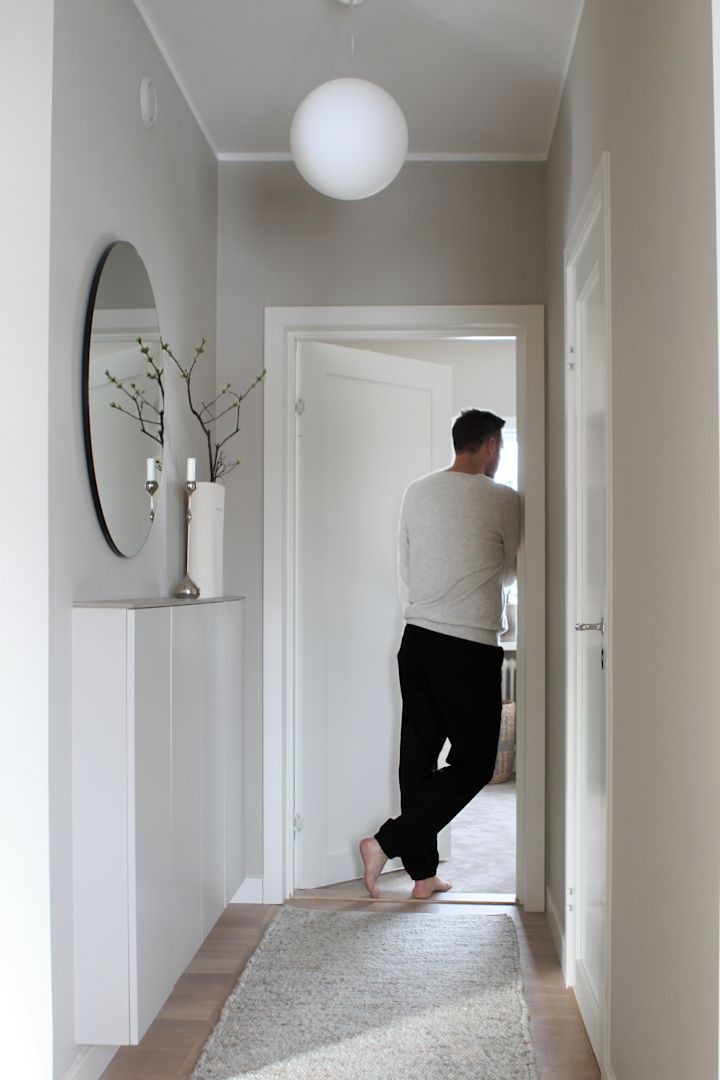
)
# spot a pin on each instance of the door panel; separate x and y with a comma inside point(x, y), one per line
point(370, 425)
point(152, 806)
point(229, 701)
point(188, 691)
point(591, 911)
point(215, 751)
point(588, 300)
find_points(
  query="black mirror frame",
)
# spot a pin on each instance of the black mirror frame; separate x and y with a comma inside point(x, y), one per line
point(87, 436)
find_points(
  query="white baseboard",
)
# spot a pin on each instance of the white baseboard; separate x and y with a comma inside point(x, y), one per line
point(91, 1063)
point(250, 892)
point(608, 1073)
point(557, 932)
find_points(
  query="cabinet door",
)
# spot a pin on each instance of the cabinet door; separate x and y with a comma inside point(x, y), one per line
point(213, 769)
point(230, 705)
point(152, 967)
point(100, 840)
point(189, 705)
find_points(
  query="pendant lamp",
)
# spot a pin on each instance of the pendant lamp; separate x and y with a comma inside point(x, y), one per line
point(349, 137)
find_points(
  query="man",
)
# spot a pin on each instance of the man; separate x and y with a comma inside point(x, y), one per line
point(459, 535)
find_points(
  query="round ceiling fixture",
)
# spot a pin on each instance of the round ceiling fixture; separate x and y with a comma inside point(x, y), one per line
point(349, 138)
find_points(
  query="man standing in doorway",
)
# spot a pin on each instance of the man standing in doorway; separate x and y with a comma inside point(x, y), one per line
point(459, 535)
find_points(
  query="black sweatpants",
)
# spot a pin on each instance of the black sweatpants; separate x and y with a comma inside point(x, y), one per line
point(451, 688)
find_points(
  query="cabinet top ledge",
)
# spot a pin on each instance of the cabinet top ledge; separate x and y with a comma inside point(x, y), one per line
point(157, 602)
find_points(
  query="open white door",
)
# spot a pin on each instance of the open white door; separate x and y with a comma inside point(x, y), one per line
point(588, 654)
point(367, 425)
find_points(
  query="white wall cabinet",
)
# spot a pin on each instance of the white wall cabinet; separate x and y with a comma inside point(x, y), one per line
point(157, 800)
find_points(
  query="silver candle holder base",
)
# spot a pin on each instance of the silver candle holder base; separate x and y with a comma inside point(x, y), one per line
point(151, 487)
point(187, 589)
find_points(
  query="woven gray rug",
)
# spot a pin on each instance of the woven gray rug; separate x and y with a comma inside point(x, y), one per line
point(353, 995)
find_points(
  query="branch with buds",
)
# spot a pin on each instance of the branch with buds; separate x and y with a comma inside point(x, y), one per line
point(226, 404)
point(149, 415)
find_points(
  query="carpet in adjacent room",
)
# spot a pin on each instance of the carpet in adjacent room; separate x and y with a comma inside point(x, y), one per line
point(482, 859)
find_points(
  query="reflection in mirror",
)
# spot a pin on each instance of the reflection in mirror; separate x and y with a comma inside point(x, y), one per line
point(123, 404)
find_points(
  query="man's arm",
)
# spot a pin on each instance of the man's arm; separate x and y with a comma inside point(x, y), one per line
point(403, 560)
point(510, 532)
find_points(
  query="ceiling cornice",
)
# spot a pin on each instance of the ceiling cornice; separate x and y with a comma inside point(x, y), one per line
point(440, 158)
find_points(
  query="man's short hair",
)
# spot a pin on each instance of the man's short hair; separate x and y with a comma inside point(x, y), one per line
point(473, 427)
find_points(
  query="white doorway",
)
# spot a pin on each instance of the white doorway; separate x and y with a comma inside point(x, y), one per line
point(374, 416)
point(284, 330)
point(370, 418)
point(589, 655)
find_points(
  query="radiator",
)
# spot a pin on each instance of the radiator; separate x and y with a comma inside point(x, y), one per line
point(509, 672)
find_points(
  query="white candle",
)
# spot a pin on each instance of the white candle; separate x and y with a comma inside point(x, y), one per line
point(150, 469)
point(190, 469)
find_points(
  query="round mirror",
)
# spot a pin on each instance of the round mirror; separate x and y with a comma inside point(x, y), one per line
point(123, 400)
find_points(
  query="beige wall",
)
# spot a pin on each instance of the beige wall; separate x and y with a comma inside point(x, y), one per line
point(111, 179)
point(440, 234)
point(640, 85)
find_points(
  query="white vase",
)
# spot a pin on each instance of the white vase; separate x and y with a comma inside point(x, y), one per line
point(205, 555)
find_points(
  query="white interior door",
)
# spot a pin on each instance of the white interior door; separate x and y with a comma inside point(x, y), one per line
point(368, 425)
point(589, 381)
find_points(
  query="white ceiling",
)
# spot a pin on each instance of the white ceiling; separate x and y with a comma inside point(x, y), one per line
point(475, 78)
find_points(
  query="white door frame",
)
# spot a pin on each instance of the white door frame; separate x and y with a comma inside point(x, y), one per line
point(284, 328)
point(596, 204)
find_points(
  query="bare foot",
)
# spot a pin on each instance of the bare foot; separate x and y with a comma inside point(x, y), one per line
point(429, 885)
point(374, 858)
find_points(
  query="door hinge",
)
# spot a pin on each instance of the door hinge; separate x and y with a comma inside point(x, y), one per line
point(298, 823)
point(570, 365)
point(570, 902)
point(299, 407)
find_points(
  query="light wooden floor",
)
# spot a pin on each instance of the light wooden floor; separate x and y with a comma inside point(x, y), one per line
point(173, 1044)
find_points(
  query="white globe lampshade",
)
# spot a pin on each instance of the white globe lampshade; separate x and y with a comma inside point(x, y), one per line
point(349, 138)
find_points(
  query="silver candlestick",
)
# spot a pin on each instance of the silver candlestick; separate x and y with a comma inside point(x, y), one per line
point(187, 589)
point(151, 487)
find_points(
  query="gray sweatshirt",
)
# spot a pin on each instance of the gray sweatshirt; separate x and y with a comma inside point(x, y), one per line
point(458, 542)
